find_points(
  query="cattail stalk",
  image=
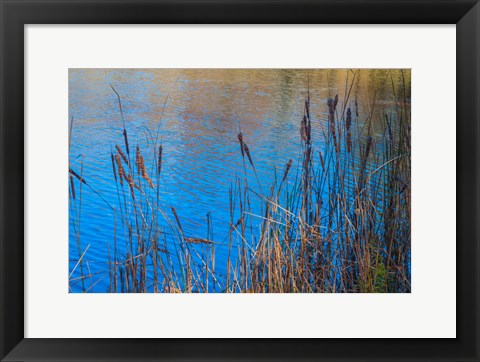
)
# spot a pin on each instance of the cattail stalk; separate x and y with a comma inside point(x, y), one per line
point(120, 152)
point(247, 152)
point(121, 170)
point(348, 124)
point(141, 169)
point(287, 168)
point(159, 166)
point(332, 104)
point(126, 141)
point(113, 166)
point(240, 139)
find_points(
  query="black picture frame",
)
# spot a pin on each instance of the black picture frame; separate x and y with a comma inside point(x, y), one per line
point(15, 14)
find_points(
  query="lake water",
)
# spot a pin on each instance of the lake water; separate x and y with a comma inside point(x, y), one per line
point(197, 114)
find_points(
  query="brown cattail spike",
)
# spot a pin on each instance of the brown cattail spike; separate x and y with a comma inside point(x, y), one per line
point(307, 108)
point(113, 166)
point(331, 118)
point(160, 152)
point(142, 170)
point(77, 176)
point(287, 168)
point(369, 146)
point(240, 139)
point(120, 152)
point(177, 219)
point(121, 170)
point(238, 222)
point(303, 129)
point(130, 182)
point(348, 124)
point(138, 160)
point(72, 187)
point(247, 152)
point(126, 141)
point(198, 241)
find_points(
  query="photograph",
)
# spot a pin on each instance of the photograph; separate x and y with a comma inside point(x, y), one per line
point(239, 180)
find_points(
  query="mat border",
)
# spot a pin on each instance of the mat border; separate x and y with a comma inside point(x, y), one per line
point(15, 14)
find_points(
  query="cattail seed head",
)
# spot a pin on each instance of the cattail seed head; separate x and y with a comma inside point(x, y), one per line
point(72, 185)
point(303, 129)
point(121, 170)
point(113, 166)
point(160, 152)
point(287, 168)
point(142, 170)
point(138, 160)
point(198, 241)
point(80, 178)
point(240, 139)
point(130, 182)
point(369, 146)
point(120, 152)
point(247, 152)
point(332, 104)
point(348, 124)
point(126, 141)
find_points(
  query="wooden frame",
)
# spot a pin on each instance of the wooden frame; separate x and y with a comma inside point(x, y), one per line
point(15, 14)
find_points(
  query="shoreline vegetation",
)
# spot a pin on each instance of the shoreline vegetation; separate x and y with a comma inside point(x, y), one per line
point(337, 220)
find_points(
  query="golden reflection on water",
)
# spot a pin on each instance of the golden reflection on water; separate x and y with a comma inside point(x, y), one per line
point(195, 103)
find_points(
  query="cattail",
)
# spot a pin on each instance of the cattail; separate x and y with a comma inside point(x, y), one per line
point(120, 152)
point(177, 219)
point(307, 108)
point(309, 131)
point(142, 170)
point(240, 139)
point(348, 125)
point(132, 185)
point(287, 168)
point(348, 122)
point(303, 129)
point(238, 222)
point(147, 178)
point(198, 241)
point(113, 166)
point(77, 176)
point(247, 152)
point(72, 186)
point(159, 166)
point(369, 145)
point(138, 161)
point(126, 141)
point(331, 117)
point(121, 171)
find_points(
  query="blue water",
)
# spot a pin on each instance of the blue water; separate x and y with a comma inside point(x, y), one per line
point(196, 116)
